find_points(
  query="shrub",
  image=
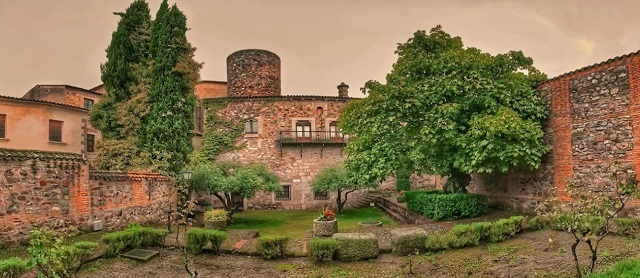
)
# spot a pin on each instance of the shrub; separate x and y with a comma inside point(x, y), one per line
point(405, 241)
point(272, 247)
point(438, 205)
point(76, 254)
point(197, 239)
point(356, 246)
point(132, 237)
point(506, 228)
point(481, 230)
point(438, 241)
point(13, 267)
point(623, 269)
point(627, 226)
point(215, 215)
point(321, 249)
point(539, 223)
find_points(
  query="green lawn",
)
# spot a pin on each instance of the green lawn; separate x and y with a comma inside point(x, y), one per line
point(294, 223)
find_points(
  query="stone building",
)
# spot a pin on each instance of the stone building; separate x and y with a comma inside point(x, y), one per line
point(594, 120)
point(296, 136)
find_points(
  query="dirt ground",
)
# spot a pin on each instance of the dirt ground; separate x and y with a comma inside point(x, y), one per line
point(527, 255)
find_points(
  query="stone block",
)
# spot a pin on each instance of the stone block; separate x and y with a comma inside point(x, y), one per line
point(356, 246)
point(406, 241)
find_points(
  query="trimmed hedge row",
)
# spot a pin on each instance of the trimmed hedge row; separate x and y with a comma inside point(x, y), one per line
point(13, 267)
point(464, 235)
point(629, 227)
point(132, 237)
point(272, 247)
point(438, 205)
point(198, 238)
point(322, 249)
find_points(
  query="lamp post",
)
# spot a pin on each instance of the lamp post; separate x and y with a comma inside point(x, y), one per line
point(186, 174)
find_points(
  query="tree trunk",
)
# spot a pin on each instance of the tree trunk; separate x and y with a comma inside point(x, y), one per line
point(457, 182)
point(575, 257)
point(339, 201)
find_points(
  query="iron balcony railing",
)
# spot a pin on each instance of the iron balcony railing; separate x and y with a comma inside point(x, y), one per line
point(318, 137)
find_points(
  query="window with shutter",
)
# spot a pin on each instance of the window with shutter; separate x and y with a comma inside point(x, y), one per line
point(55, 131)
point(3, 125)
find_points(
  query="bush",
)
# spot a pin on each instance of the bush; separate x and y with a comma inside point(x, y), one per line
point(215, 215)
point(464, 235)
point(627, 226)
point(272, 247)
point(623, 269)
point(321, 249)
point(582, 224)
point(356, 246)
point(438, 241)
point(539, 223)
point(506, 228)
point(438, 205)
point(13, 267)
point(76, 254)
point(197, 239)
point(132, 237)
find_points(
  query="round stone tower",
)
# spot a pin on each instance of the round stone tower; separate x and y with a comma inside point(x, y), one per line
point(253, 72)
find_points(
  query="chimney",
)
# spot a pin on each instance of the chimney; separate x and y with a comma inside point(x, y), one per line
point(343, 90)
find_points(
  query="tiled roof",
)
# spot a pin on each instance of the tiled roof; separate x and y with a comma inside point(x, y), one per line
point(212, 81)
point(614, 59)
point(120, 176)
point(70, 86)
point(42, 101)
point(18, 154)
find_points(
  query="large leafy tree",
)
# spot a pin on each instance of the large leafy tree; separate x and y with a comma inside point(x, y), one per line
point(334, 178)
point(224, 180)
point(168, 128)
point(449, 110)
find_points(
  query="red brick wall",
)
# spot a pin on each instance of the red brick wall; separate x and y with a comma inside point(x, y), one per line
point(63, 193)
point(593, 121)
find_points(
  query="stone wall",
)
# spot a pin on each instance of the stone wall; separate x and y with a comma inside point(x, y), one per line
point(253, 72)
point(594, 121)
point(58, 190)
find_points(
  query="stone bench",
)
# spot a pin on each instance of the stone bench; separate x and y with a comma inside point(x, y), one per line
point(406, 241)
point(356, 246)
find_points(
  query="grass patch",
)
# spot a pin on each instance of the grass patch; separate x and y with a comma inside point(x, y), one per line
point(294, 223)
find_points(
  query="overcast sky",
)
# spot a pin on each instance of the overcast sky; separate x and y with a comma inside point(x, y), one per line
point(320, 43)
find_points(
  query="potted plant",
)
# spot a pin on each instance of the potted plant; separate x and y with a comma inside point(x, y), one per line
point(325, 225)
point(400, 197)
point(215, 219)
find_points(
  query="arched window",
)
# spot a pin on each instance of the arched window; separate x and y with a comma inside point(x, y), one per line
point(303, 129)
point(251, 126)
point(334, 131)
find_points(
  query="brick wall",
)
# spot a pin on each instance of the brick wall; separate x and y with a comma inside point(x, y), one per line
point(40, 190)
point(594, 120)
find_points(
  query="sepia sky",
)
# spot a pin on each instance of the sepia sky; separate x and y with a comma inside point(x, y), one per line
point(320, 43)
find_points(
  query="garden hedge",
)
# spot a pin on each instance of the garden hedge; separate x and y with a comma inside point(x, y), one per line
point(132, 237)
point(272, 247)
point(198, 238)
point(321, 249)
point(13, 267)
point(406, 241)
point(464, 235)
point(356, 246)
point(438, 205)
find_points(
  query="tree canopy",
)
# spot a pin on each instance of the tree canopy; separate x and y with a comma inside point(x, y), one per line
point(334, 178)
point(146, 118)
point(224, 180)
point(447, 109)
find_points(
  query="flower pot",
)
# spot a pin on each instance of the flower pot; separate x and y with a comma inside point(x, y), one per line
point(325, 228)
point(216, 224)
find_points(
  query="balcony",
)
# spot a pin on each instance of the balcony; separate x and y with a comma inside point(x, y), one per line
point(312, 137)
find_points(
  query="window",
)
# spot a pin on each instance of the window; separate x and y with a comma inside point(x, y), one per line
point(55, 131)
point(334, 131)
point(320, 195)
point(251, 126)
point(303, 129)
point(285, 195)
point(199, 118)
point(3, 125)
point(91, 142)
point(88, 103)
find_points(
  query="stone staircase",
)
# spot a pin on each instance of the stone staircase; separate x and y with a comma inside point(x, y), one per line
point(366, 200)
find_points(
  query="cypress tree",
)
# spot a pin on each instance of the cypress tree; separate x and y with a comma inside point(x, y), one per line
point(125, 74)
point(168, 128)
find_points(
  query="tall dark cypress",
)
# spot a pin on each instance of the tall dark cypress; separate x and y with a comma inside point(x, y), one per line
point(125, 74)
point(168, 128)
